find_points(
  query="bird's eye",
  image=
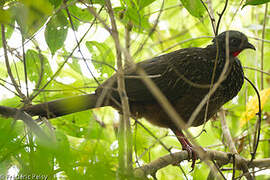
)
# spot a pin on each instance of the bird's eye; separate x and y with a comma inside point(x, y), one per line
point(235, 42)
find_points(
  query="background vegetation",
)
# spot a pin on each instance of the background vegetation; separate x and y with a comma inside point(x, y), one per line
point(57, 48)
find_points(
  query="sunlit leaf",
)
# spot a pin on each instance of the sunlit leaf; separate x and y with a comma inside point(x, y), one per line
point(194, 7)
point(144, 3)
point(75, 65)
point(101, 2)
point(255, 2)
point(4, 16)
point(137, 18)
point(8, 30)
point(252, 106)
point(56, 32)
point(80, 15)
point(55, 3)
point(31, 15)
point(102, 55)
point(76, 124)
point(38, 67)
point(3, 72)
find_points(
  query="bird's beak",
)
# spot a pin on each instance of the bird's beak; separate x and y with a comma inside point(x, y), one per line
point(250, 46)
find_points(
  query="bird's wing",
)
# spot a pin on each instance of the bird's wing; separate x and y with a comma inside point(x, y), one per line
point(175, 74)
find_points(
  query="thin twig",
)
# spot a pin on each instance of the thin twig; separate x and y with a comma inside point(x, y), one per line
point(157, 139)
point(25, 66)
point(234, 168)
point(42, 64)
point(218, 170)
point(152, 30)
point(164, 9)
point(9, 90)
point(231, 145)
point(234, 14)
point(263, 40)
point(4, 43)
point(262, 48)
point(79, 42)
point(226, 133)
point(220, 16)
point(182, 42)
point(255, 69)
point(212, 19)
point(258, 129)
point(125, 137)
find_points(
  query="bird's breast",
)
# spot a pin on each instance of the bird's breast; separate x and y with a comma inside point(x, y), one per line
point(230, 87)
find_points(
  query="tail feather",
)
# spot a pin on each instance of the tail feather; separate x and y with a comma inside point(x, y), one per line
point(63, 106)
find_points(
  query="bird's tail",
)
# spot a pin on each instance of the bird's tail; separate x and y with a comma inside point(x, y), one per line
point(63, 106)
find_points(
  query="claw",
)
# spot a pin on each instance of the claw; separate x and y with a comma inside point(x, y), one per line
point(186, 145)
point(191, 154)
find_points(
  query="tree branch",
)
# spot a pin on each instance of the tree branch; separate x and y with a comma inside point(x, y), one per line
point(125, 136)
point(262, 48)
point(231, 145)
point(221, 157)
point(8, 66)
point(27, 119)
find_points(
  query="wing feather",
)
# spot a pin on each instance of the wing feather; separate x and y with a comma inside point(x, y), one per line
point(173, 74)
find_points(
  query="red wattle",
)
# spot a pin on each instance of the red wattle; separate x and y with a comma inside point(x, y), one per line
point(236, 53)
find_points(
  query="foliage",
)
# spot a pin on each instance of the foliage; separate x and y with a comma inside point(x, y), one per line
point(56, 46)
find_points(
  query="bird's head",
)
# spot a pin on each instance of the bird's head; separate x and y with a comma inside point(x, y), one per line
point(237, 42)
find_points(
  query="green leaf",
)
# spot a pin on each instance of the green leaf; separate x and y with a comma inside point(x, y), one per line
point(2, 2)
point(137, 18)
point(194, 7)
point(56, 32)
point(76, 124)
point(31, 15)
point(4, 16)
point(62, 142)
point(103, 57)
point(75, 65)
point(134, 14)
point(143, 3)
point(101, 2)
point(3, 72)
point(81, 14)
point(255, 2)
point(38, 66)
point(55, 3)
point(95, 130)
point(8, 31)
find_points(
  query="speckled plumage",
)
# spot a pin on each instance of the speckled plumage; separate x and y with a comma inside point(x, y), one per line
point(184, 76)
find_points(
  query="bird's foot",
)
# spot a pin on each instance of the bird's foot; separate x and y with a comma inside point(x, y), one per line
point(186, 145)
point(191, 154)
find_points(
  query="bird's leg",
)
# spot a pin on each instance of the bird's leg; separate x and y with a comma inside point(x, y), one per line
point(186, 145)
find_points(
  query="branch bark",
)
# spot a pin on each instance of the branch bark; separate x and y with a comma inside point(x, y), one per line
point(125, 136)
point(27, 119)
point(226, 132)
point(221, 157)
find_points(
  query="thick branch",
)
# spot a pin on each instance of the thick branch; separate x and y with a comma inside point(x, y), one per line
point(27, 119)
point(221, 157)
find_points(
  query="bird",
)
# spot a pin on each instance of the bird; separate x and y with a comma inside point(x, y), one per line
point(183, 76)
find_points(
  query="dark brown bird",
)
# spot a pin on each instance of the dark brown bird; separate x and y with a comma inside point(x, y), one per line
point(183, 76)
